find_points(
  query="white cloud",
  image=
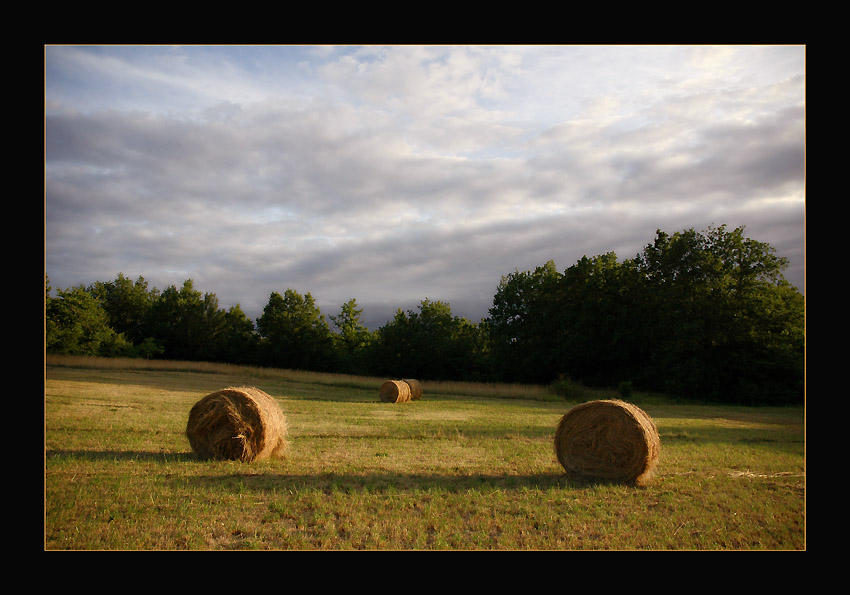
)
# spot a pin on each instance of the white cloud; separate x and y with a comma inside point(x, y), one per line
point(391, 174)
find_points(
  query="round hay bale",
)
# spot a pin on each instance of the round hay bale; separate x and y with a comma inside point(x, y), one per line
point(238, 424)
point(415, 389)
point(394, 391)
point(608, 440)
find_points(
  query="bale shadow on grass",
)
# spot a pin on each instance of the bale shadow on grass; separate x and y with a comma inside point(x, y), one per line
point(390, 483)
point(122, 455)
point(374, 483)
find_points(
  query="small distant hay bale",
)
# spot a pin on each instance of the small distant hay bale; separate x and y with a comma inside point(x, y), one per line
point(394, 391)
point(237, 424)
point(608, 440)
point(415, 389)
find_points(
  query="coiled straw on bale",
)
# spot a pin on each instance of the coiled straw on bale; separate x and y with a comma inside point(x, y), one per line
point(415, 389)
point(239, 424)
point(608, 440)
point(395, 391)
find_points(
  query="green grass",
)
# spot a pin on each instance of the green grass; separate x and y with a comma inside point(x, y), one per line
point(468, 467)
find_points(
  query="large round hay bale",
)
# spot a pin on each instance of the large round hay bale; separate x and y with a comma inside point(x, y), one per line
point(238, 424)
point(415, 389)
point(394, 391)
point(608, 440)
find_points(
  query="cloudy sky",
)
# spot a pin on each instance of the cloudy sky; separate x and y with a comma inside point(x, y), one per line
point(394, 174)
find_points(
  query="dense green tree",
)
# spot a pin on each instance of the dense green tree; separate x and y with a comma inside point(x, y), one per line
point(472, 350)
point(239, 341)
point(700, 314)
point(390, 353)
point(728, 324)
point(294, 333)
point(77, 324)
point(148, 349)
point(596, 321)
point(429, 344)
point(705, 315)
point(520, 325)
point(128, 305)
point(352, 340)
point(186, 323)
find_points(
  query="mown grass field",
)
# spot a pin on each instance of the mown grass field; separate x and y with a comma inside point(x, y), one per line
point(469, 467)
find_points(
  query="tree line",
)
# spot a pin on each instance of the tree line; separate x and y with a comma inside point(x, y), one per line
point(705, 315)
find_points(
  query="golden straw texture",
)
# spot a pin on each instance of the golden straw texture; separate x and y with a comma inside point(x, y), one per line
point(394, 391)
point(237, 423)
point(608, 440)
point(415, 389)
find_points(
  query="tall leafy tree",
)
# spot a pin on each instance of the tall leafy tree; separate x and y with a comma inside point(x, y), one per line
point(352, 339)
point(700, 314)
point(521, 325)
point(77, 324)
point(187, 323)
point(392, 351)
point(596, 321)
point(729, 326)
point(430, 343)
point(294, 333)
point(128, 304)
point(239, 341)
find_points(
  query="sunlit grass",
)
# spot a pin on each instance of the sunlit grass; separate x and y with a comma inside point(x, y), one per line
point(453, 471)
point(481, 389)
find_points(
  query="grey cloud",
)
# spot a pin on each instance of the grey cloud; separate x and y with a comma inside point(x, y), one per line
point(366, 201)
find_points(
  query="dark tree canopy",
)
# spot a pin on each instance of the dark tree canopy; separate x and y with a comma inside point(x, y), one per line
point(77, 324)
point(429, 344)
point(294, 333)
point(704, 315)
point(353, 339)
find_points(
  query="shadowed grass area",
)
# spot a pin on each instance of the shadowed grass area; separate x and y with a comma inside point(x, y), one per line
point(467, 467)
